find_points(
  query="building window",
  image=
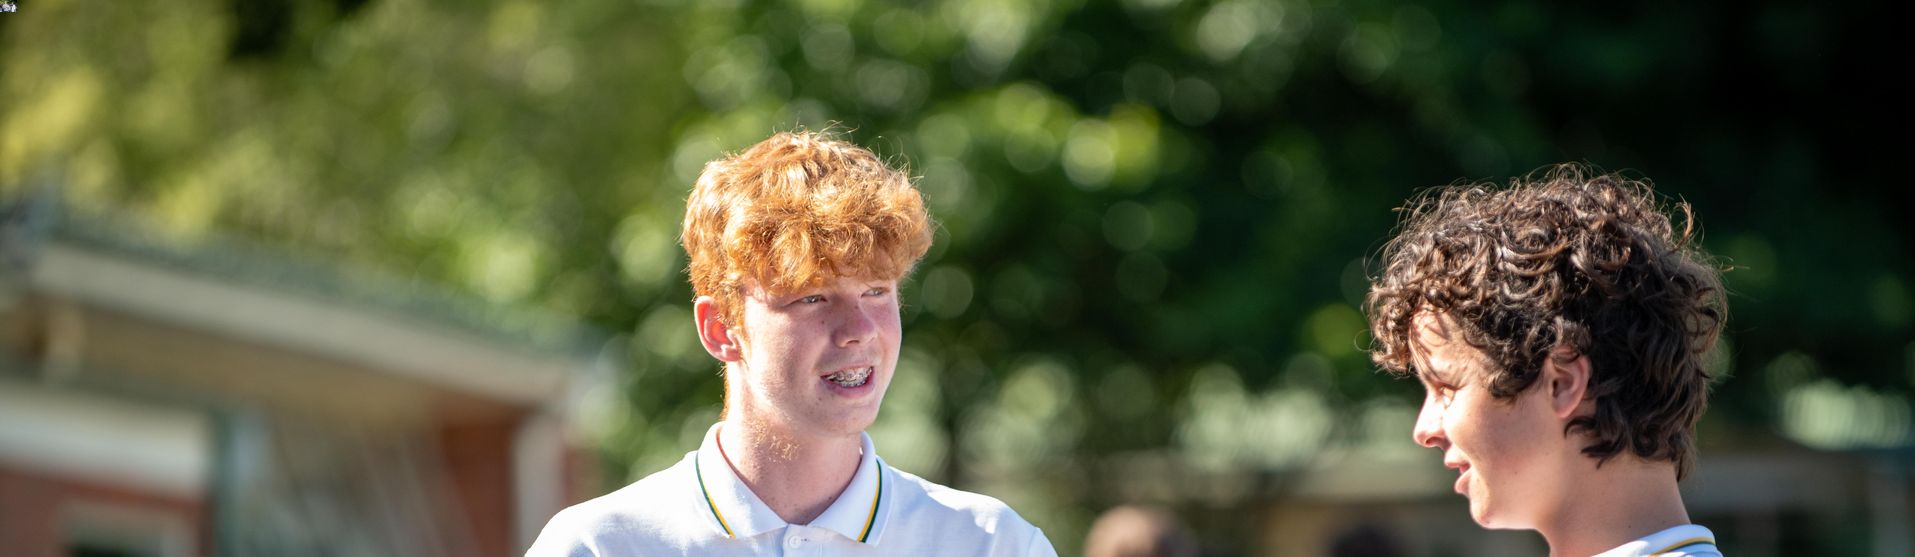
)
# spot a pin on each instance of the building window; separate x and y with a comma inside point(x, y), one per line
point(99, 529)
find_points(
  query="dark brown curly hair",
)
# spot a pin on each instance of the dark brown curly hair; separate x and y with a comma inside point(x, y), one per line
point(1568, 256)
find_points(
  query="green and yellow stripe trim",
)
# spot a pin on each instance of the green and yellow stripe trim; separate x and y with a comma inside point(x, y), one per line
point(699, 466)
point(1684, 543)
point(864, 535)
point(872, 518)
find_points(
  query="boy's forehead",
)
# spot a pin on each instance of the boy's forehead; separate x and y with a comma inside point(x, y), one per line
point(1429, 329)
point(1438, 348)
point(756, 288)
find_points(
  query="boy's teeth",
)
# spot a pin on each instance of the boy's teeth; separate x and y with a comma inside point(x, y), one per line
point(851, 377)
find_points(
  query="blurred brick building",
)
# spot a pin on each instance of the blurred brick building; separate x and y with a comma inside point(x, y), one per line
point(168, 400)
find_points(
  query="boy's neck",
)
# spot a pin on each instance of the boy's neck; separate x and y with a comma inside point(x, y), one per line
point(1622, 501)
point(798, 477)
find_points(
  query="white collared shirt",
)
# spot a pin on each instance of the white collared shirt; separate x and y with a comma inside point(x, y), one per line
point(700, 507)
point(1687, 540)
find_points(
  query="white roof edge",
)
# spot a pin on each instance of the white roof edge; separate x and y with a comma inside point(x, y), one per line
point(383, 341)
point(80, 435)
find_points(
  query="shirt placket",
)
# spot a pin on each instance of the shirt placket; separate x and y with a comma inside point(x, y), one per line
point(802, 541)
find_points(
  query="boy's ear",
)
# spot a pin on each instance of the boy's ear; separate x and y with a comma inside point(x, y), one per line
point(717, 337)
point(1566, 374)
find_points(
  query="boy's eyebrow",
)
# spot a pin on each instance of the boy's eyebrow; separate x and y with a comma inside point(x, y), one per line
point(1426, 374)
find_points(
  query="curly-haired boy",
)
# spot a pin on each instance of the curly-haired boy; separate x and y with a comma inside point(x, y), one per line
point(1559, 328)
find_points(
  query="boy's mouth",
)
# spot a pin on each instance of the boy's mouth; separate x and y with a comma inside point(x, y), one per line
point(1462, 475)
point(851, 377)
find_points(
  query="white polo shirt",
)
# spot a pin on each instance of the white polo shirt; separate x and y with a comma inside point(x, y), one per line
point(1687, 540)
point(700, 507)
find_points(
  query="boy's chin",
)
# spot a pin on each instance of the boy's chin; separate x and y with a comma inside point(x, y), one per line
point(846, 425)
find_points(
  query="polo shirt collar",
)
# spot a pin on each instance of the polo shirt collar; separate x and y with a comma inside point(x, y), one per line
point(1665, 541)
point(858, 514)
point(734, 511)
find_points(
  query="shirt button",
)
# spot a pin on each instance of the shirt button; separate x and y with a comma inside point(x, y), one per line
point(795, 542)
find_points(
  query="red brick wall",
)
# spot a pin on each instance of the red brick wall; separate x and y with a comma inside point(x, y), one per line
point(32, 503)
point(478, 468)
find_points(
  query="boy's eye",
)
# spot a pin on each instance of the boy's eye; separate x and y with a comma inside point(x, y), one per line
point(877, 291)
point(812, 299)
point(1440, 391)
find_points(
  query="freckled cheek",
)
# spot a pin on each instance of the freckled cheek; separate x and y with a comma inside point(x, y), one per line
point(1497, 444)
point(888, 321)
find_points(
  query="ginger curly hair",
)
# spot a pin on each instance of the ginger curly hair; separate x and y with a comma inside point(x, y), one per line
point(794, 210)
point(1573, 257)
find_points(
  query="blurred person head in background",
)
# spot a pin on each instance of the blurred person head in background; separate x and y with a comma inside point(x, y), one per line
point(1559, 327)
point(1366, 540)
point(1138, 531)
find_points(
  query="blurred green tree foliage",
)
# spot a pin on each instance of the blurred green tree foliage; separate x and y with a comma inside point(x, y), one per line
point(1155, 213)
